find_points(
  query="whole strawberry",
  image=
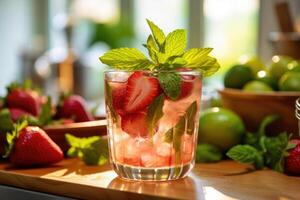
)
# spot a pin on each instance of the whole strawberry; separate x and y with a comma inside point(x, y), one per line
point(26, 100)
point(292, 161)
point(31, 146)
point(74, 107)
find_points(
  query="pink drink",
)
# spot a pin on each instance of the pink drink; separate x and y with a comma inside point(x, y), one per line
point(151, 136)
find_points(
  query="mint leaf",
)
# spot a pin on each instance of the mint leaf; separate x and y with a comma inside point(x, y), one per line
point(275, 149)
point(126, 59)
point(154, 113)
point(174, 134)
point(152, 49)
point(195, 56)
point(157, 33)
point(175, 43)
point(170, 83)
point(246, 154)
point(208, 153)
point(209, 66)
point(190, 118)
point(91, 150)
point(6, 123)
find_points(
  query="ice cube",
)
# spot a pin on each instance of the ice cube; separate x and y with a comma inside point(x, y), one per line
point(164, 149)
point(187, 148)
point(131, 152)
point(151, 159)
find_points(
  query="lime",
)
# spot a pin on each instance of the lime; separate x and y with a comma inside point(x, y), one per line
point(279, 65)
point(266, 78)
point(237, 76)
point(294, 66)
point(220, 127)
point(253, 62)
point(290, 81)
point(257, 86)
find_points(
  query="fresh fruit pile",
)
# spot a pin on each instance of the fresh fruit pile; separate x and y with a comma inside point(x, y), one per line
point(153, 104)
point(23, 102)
point(281, 74)
point(222, 134)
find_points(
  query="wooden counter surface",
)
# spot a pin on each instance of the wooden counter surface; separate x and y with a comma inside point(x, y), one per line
point(224, 180)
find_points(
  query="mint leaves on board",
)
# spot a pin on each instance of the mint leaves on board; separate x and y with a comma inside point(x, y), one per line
point(261, 150)
point(165, 52)
point(91, 150)
point(208, 153)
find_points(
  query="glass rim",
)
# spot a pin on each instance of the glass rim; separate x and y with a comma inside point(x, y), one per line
point(190, 72)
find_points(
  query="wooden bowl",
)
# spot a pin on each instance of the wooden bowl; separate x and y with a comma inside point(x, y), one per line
point(82, 129)
point(253, 107)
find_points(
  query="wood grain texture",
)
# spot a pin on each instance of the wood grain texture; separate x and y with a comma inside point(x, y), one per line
point(224, 180)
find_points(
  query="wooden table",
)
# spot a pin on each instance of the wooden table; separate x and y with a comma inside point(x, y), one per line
point(224, 180)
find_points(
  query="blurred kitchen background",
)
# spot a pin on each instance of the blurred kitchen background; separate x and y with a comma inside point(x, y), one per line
point(49, 40)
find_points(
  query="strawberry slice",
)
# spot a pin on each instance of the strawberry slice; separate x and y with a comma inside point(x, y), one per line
point(135, 124)
point(118, 96)
point(186, 88)
point(186, 83)
point(140, 92)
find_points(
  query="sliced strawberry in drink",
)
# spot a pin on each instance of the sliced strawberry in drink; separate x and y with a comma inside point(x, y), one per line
point(186, 89)
point(140, 92)
point(135, 124)
point(118, 96)
point(186, 83)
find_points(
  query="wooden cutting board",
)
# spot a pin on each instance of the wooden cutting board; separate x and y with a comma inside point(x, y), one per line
point(224, 180)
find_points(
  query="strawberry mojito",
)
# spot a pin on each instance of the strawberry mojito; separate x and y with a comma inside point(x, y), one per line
point(153, 106)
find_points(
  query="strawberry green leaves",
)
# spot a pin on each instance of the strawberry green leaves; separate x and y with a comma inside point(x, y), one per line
point(6, 123)
point(166, 53)
point(91, 150)
point(12, 137)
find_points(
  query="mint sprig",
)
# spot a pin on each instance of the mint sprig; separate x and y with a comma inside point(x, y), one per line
point(165, 52)
point(91, 150)
point(262, 150)
point(174, 134)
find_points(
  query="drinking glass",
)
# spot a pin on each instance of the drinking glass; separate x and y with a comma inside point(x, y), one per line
point(152, 137)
